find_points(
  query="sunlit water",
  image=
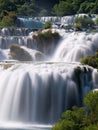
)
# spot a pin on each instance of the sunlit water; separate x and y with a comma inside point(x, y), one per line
point(40, 91)
point(21, 126)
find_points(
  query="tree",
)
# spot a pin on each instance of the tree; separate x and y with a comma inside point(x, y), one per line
point(7, 5)
point(63, 8)
point(7, 21)
point(91, 102)
point(86, 7)
point(83, 118)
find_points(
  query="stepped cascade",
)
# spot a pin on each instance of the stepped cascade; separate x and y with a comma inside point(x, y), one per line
point(37, 92)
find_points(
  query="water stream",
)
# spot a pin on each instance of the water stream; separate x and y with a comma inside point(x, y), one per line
point(34, 94)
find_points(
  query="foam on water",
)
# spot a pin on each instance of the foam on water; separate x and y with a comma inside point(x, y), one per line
point(75, 46)
point(36, 93)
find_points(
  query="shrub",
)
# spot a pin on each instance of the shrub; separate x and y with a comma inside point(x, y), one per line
point(17, 53)
point(85, 22)
point(66, 125)
point(48, 25)
point(7, 21)
point(83, 118)
point(91, 102)
point(77, 70)
point(90, 60)
point(12, 15)
point(96, 21)
point(92, 127)
point(78, 27)
point(46, 40)
point(46, 37)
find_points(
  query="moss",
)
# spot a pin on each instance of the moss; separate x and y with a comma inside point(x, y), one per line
point(17, 53)
point(78, 27)
point(46, 40)
point(48, 25)
point(91, 61)
point(46, 36)
point(77, 70)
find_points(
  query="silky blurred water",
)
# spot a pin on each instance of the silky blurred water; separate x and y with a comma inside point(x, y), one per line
point(35, 128)
point(25, 129)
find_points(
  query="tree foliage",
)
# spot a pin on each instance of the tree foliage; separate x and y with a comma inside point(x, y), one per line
point(49, 7)
point(83, 118)
point(91, 60)
point(7, 19)
point(65, 7)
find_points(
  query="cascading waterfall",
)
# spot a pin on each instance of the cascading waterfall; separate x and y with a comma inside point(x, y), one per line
point(75, 46)
point(15, 36)
point(38, 92)
point(27, 22)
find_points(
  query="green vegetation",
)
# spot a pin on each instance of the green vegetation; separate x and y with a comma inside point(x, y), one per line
point(78, 27)
point(83, 118)
point(46, 37)
point(7, 19)
point(84, 23)
point(49, 7)
point(63, 8)
point(91, 60)
point(70, 7)
point(17, 53)
point(96, 21)
point(78, 70)
point(48, 25)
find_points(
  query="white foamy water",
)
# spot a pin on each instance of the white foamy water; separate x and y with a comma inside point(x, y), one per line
point(34, 94)
point(75, 46)
point(38, 93)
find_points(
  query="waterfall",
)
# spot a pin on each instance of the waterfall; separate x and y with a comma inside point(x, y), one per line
point(38, 92)
point(28, 22)
point(65, 20)
point(76, 46)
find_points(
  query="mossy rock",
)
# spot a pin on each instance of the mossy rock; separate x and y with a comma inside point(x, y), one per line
point(46, 40)
point(78, 70)
point(91, 61)
point(18, 53)
point(46, 36)
point(47, 25)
